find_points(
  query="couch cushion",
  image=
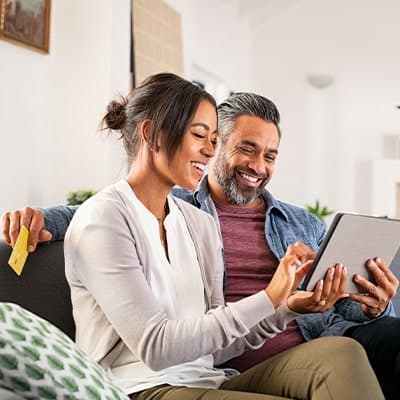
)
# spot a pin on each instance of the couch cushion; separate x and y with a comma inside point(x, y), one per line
point(7, 395)
point(38, 361)
point(42, 287)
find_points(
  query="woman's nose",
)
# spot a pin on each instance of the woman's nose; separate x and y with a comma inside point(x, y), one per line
point(208, 149)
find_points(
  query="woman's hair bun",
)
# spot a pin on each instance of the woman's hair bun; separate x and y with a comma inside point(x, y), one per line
point(115, 117)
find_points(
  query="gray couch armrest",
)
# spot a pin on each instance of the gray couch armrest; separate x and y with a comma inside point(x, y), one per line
point(42, 287)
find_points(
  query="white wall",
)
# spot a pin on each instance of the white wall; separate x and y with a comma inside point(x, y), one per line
point(327, 133)
point(216, 39)
point(51, 105)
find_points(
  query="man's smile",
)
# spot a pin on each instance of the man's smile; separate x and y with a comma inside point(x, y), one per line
point(249, 179)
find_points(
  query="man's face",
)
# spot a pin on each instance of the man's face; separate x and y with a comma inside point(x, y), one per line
point(245, 163)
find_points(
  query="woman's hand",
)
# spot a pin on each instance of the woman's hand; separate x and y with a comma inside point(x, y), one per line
point(287, 276)
point(325, 294)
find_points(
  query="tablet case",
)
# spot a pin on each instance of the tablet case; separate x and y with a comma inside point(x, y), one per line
point(351, 240)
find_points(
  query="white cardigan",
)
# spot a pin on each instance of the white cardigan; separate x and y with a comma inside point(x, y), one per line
point(108, 266)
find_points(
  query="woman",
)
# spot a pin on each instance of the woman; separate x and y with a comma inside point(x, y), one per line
point(146, 273)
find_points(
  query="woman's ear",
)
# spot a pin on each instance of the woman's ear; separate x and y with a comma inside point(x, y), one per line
point(144, 130)
point(145, 133)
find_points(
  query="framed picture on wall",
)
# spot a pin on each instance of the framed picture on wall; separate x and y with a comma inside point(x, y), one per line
point(26, 22)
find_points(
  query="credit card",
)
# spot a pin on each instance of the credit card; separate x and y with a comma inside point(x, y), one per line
point(20, 251)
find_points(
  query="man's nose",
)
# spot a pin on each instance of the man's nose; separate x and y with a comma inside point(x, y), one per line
point(257, 164)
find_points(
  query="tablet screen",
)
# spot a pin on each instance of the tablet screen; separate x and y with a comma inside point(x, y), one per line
point(351, 240)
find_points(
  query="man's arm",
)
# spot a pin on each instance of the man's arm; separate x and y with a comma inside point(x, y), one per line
point(378, 300)
point(57, 220)
point(43, 224)
point(379, 293)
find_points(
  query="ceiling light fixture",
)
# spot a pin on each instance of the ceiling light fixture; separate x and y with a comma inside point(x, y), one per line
point(320, 81)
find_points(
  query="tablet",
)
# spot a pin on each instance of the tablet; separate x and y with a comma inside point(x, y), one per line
point(351, 240)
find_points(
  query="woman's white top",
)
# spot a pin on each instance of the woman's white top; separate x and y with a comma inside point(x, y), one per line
point(178, 285)
point(149, 320)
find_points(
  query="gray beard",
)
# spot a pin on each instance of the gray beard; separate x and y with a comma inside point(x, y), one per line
point(231, 190)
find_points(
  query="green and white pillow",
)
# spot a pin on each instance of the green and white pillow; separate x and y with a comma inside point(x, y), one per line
point(39, 362)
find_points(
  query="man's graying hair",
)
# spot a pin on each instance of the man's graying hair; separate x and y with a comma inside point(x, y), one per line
point(244, 103)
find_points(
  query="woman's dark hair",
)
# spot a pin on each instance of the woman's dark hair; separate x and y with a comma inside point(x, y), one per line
point(167, 100)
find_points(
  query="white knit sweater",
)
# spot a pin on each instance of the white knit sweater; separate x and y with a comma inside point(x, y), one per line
point(117, 314)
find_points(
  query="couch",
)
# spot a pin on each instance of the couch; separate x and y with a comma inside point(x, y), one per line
point(42, 287)
point(37, 360)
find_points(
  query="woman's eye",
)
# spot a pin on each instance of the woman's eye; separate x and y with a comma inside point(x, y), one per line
point(198, 135)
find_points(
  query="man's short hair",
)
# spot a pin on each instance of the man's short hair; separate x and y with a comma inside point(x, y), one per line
point(245, 103)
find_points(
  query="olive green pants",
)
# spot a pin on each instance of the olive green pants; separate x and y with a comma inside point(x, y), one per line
point(326, 368)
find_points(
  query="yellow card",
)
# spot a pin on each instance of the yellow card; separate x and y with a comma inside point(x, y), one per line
point(20, 251)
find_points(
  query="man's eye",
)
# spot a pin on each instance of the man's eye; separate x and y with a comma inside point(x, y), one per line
point(270, 158)
point(246, 150)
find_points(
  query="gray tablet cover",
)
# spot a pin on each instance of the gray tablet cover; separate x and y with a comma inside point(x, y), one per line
point(351, 240)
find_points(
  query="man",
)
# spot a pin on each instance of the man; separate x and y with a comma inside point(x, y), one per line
point(256, 230)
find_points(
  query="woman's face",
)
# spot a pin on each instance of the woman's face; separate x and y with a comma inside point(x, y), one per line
point(188, 163)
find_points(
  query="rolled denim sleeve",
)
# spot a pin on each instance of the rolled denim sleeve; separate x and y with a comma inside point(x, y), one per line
point(57, 220)
point(352, 311)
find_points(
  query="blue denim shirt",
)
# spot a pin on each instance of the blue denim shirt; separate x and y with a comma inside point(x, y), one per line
point(284, 225)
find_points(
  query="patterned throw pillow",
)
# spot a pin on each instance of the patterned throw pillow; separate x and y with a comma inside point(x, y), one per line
point(39, 362)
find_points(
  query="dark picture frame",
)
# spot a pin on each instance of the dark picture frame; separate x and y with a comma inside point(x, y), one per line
point(26, 22)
